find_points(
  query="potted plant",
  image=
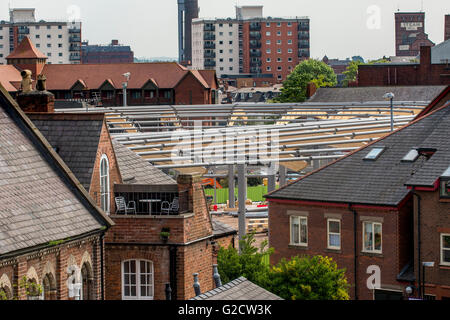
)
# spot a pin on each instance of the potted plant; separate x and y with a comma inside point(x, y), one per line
point(164, 234)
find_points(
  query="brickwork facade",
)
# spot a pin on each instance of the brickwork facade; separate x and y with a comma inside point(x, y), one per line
point(394, 235)
point(434, 222)
point(49, 268)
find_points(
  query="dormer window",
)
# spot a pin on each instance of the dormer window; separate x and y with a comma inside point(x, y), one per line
point(375, 153)
point(411, 156)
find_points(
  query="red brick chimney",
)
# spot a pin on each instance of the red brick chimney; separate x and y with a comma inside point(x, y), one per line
point(310, 89)
point(425, 64)
point(39, 100)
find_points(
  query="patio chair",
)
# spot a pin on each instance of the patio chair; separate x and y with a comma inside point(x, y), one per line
point(121, 205)
point(167, 208)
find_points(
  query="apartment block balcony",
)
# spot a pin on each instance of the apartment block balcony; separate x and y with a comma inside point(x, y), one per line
point(255, 64)
point(209, 36)
point(209, 45)
point(303, 45)
point(255, 53)
point(303, 35)
point(255, 27)
point(74, 48)
point(74, 30)
point(255, 70)
point(303, 26)
point(74, 57)
point(209, 54)
point(255, 44)
point(210, 64)
point(74, 39)
point(209, 27)
point(303, 53)
point(255, 36)
point(24, 30)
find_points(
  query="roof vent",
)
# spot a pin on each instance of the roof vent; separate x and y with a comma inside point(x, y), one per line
point(375, 153)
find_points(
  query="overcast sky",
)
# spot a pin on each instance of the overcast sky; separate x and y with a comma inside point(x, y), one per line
point(339, 28)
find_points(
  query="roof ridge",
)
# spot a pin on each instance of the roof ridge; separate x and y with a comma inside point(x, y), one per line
point(267, 196)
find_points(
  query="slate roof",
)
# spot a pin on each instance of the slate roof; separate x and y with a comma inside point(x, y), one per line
point(367, 94)
point(441, 53)
point(75, 137)
point(221, 229)
point(381, 182)
point(135, 170)
point(40, 199)
point(239, 289)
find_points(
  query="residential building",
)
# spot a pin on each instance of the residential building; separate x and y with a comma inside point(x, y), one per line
point(149, 83)
point(112, 53)
point(425, 73)
point(59, 40)
point(187, 11)
point(360, 211)
point(410, 33)
point(250, 44)
point(135, 194)
point(51, 231)
point(253, 94)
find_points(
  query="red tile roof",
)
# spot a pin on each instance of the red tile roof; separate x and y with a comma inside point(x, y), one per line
point(165, 74)
point(26, 50)
point(9, 76)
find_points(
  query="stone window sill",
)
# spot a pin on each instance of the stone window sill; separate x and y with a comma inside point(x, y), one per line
point(372, 254)
point(296, 246)
point(444, 267)
point(333, 250)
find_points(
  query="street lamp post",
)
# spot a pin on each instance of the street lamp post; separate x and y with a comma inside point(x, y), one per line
point(125, 86)
point(390, 96)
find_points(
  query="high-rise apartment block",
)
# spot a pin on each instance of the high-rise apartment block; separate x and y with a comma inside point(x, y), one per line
point(187, 11)
point(410, 33)
point(59, 41)
point(250, 44)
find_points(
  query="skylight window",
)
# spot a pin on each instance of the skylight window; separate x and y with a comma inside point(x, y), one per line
point(375, 153)
point(411, 156)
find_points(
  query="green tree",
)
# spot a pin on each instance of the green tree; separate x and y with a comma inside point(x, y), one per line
point(351, 73)
point(249, 264)
point(311, 70)
point(307, 278)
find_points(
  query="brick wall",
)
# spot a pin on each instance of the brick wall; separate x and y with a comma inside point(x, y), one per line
point(54, 261)
point(390, 261)
point(105, 147)
point(435, 220)
point(190, 91)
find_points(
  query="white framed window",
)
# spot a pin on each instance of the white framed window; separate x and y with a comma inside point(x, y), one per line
point(289, 33)
point(268, 51)
point(372, 237)
point(268, 33)
point(289, 50)
point(267, 24)
point(334, 234)
point(267, 41)
point(104, 183)
point(279, 33)
point(279, 51)
point(137, 280)
point(278, 41)
point(299, 231)
point(268, 60)
point(289, 41)
point(445, 249)
point(269, 69)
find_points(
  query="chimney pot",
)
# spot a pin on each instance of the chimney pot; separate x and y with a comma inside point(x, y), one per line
point(216, 276)
point(197, 285)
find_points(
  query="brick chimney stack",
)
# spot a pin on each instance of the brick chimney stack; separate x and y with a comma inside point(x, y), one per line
point(39, 100)
point(310, 90)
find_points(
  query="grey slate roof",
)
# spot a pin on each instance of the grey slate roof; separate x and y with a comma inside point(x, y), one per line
point(367, 94)
point(135, 170)
point(381, 182)
point(441, 53)
point(221, 229)
point(74, 138)
point(39, 202)
point(239, 289)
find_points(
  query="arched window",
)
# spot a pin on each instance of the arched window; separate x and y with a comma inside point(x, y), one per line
point(87, 280)
point(49, 287)
point(137, 280)
point(104, 183)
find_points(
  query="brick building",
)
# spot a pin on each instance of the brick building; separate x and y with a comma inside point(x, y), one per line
point(60, 40)
point(359, 211)
point(149, 83)
point(410, 33)
point(250, 44)
point(112, 53)
point(51, 232)
point(425, 73)
point(134, 247)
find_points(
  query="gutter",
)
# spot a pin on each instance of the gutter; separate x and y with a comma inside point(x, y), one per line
point(419, 242)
